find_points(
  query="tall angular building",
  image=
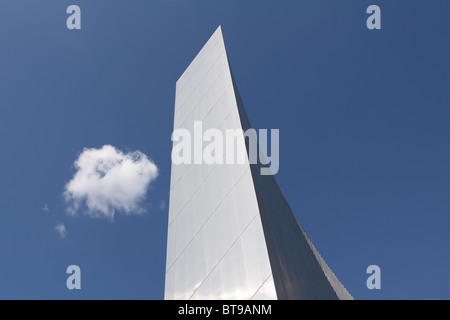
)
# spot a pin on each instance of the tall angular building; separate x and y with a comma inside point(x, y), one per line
point(231, 233)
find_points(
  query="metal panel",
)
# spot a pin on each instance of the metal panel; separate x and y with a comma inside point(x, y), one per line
point(231, 233)
point(215, 245)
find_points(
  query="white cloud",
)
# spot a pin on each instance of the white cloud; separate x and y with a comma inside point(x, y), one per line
point(61, 230)
point(45, 208)
point(108, 180)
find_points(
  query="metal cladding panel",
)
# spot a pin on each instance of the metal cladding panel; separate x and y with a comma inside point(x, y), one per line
point(232, 234)
point(215, 245)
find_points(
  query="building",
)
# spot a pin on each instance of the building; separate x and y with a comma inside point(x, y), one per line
point(231, 233)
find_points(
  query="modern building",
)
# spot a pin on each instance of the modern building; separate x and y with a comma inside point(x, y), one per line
point(231, 233)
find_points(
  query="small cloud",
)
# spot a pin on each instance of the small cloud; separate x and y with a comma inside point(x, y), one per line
point(45, 208)
point(108, 180)
point(162, 204)
point(61, 230)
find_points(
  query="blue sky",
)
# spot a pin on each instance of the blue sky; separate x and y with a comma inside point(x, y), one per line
point(364, 134)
